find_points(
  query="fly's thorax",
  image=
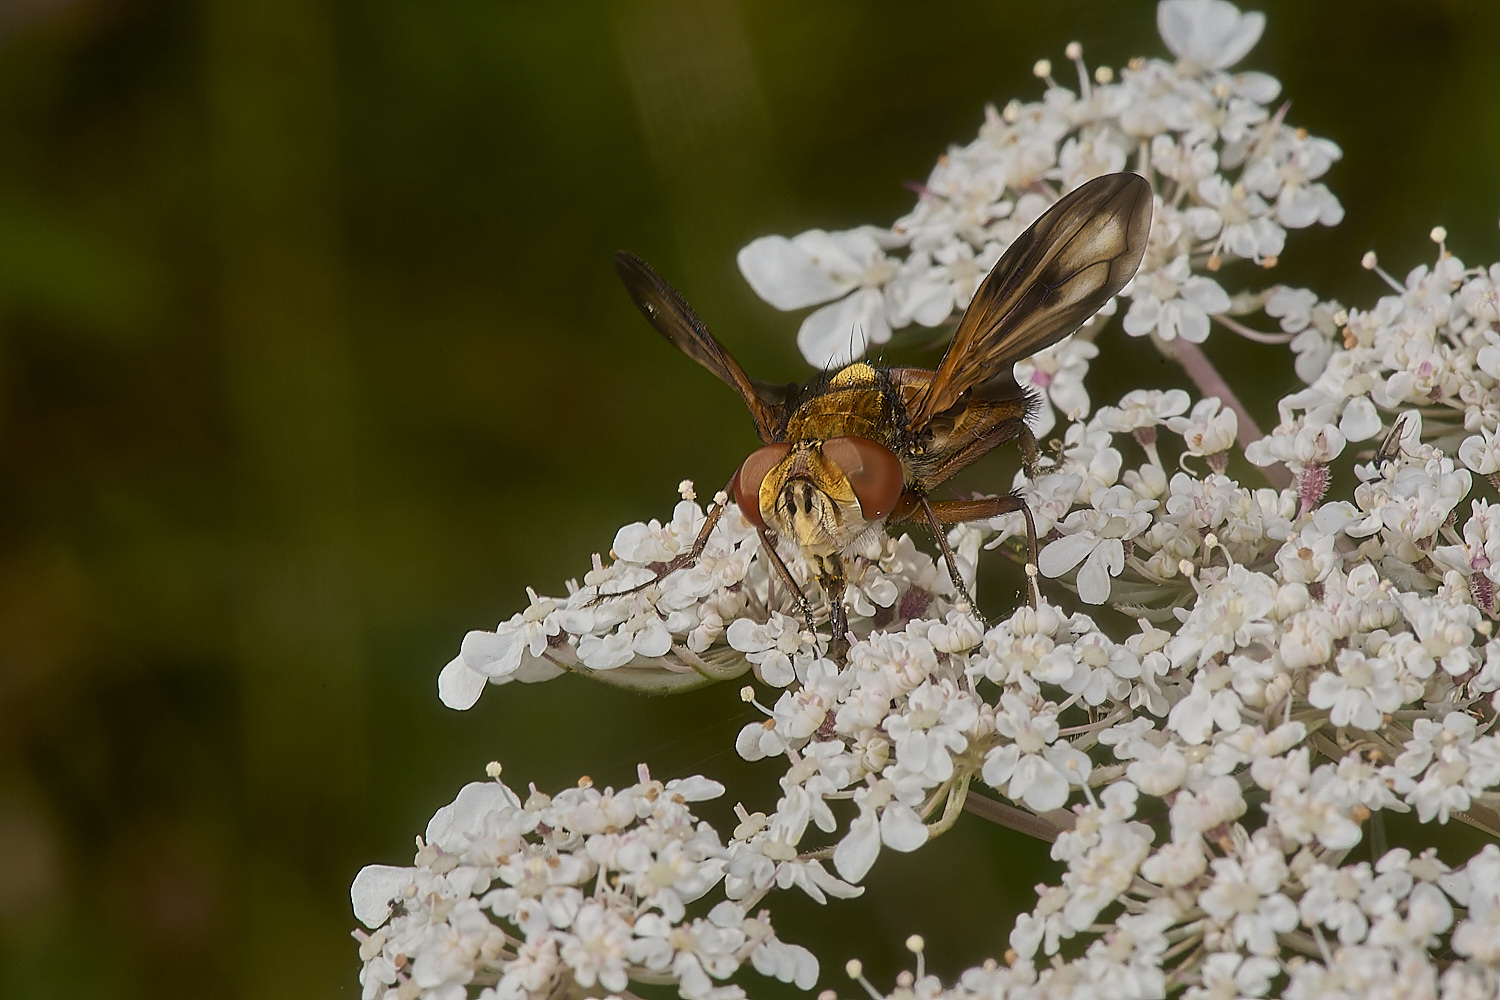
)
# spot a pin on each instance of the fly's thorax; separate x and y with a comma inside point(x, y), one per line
point(855, 401)
point(855, 375)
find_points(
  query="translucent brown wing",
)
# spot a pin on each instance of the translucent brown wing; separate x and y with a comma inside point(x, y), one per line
point(1054, 276)
point(674, 319)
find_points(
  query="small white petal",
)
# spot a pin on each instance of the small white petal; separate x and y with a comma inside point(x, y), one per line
point(494, 654)
point(901, 828)
point(1212, 33)
point(787, 275)
point(839, 333)
point(459, 686)
point(1360, 421)
point(453, 824)
point(695, 788)
point(858, 850)
point(1045, 787)
point(373, 889)
point(1063, 554)
point(748, 743)
point(1104, 562)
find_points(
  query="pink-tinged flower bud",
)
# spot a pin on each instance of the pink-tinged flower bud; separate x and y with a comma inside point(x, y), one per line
point(1312, 486)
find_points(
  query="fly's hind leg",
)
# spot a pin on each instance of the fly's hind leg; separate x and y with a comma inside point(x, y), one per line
point(944, 512)
point(948, 557)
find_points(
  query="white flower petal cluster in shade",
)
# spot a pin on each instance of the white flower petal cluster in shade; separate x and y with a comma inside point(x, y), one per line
point(575, 894)
point(1298, 657)
point(1231, 178)
point(724, 616)
point(1427, 359)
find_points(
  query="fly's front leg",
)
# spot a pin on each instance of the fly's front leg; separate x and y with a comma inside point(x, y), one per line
point(1031, 455)
point(835, 583)
point(768, 543)
point(682, 559)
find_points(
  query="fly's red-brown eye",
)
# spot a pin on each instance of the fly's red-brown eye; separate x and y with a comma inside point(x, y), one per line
point(873, 472)
point(747, 481)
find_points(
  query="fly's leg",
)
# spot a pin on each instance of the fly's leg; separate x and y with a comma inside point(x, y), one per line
point(944, 512)
point(948, 557)
point(834, 582)
point(1031, 455)
point(768, 543)
point(683, 559)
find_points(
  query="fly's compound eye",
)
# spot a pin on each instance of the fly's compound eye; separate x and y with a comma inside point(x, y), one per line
point(752, 472)
point(872, 470)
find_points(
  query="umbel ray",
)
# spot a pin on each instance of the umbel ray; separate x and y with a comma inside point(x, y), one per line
point(858, 447)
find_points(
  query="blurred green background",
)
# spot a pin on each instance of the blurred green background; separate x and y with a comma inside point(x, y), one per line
point(312, 358)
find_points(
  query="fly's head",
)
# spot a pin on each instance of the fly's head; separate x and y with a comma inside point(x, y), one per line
point(820, 495)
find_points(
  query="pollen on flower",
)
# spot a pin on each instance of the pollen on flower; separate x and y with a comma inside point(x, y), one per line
point(1074, 50)
point(493, 769)
point(1103, 75)
point(686, 491)
point(1042, 68)
point(1439, 235)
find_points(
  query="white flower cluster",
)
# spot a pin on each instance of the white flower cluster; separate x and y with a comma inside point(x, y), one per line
point(1365, 931)
point(1305, 660)
point(1138, 536)
point(566, 895)
point(1429, 355)
point(681, 632)
point(1278, 719)
point(1231, 178)
point(911, 719)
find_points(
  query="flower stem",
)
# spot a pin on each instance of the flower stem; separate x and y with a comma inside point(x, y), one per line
point(1209, 382)
point(1250, 334)
point(1041, 827)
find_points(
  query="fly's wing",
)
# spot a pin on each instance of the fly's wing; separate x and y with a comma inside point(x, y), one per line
point(674, 319)
point(1053, 277)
